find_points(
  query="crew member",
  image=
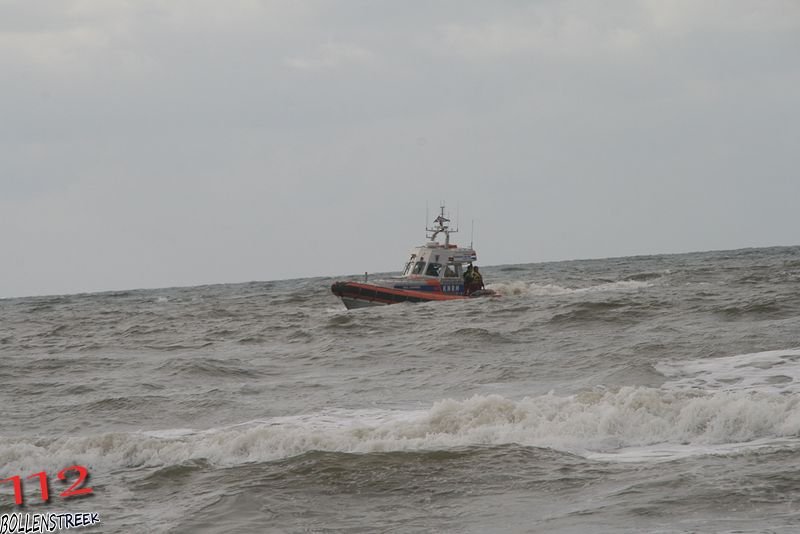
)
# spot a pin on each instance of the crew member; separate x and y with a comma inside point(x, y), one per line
point(477, 280)
point(468, 278)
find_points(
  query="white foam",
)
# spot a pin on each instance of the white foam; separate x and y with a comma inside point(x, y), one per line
point(776, 371)
point(534, 289)
point(169, 432)
point(669, 452)
point(527, 288)
point(627, 423)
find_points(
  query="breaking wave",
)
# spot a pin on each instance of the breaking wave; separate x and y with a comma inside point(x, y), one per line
point(602, 422)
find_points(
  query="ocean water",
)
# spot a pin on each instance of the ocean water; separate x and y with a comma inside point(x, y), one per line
point(642, 394)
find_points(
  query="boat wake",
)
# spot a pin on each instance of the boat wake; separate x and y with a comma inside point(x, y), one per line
point(522, 288)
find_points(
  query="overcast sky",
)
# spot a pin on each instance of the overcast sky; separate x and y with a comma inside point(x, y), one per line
point(151, 143)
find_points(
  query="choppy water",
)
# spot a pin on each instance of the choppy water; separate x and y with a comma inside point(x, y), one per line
point(647, 394)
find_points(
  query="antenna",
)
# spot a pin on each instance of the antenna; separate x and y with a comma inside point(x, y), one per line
point(472, 234)
point(426, 214)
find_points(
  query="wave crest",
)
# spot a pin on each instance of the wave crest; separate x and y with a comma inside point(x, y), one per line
point(586, 424)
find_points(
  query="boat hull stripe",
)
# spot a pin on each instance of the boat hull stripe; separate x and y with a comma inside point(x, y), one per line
point(387, 295)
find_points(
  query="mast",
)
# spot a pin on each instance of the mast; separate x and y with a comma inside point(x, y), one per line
point(440, 227)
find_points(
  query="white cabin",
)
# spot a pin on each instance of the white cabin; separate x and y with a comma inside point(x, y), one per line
point(439, 260)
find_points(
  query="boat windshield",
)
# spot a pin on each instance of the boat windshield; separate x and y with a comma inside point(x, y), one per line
point(433, 269)
point(418, 267)
point(453, 270)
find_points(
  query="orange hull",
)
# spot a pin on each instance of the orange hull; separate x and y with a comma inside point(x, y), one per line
point(355, 294)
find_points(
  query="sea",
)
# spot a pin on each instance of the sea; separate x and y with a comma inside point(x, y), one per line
point(642, 394)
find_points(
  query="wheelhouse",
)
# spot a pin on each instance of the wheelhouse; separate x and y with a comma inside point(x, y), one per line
point(438, 263)
point(434, 261)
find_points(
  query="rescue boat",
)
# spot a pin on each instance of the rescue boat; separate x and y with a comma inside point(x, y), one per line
point(433, 272)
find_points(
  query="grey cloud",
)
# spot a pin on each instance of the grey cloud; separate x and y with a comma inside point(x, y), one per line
point(152, 143)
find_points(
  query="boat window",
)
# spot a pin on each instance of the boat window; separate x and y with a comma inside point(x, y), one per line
point(433, 269)
point(453, 270)
point(409, 265)
point(418, 267)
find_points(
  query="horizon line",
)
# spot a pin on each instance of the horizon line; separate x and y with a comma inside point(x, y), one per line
point(211, 284)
